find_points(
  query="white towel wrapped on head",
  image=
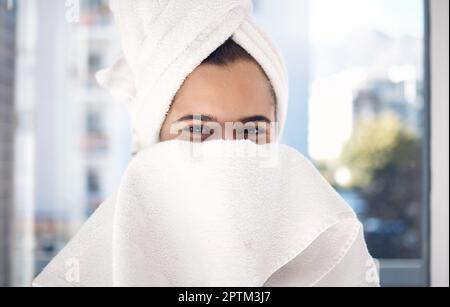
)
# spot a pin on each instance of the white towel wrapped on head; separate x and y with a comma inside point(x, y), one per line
point(163, 41)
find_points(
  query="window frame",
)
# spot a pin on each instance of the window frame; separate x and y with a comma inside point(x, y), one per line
point(416, 272)
point(439, 101)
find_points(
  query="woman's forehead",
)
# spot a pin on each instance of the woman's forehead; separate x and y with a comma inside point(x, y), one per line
point(232, 89)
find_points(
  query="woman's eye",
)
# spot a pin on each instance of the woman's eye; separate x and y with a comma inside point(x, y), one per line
point(254, 131)
point(197, 130)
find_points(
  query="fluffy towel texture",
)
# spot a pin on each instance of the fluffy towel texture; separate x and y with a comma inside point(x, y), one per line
point(221, 213)
point(164, 41)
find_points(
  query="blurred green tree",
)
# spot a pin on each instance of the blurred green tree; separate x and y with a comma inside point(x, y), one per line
point(384, 160)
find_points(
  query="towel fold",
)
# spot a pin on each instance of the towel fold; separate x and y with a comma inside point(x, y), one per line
point(163, 41)
point(220, 213)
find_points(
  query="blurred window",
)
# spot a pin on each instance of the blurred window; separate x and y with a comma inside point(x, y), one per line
point(358, 109)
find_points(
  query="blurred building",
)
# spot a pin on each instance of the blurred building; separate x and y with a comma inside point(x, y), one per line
point(79, 125)
point(7, 127)
point(101, 143)
point(73, 139)
point(399, 93)
point(341, 100)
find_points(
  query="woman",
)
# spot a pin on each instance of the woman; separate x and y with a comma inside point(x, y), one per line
point(210, 198)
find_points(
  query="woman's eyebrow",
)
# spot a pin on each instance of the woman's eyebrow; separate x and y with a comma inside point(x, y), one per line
point(209, 118)
point(255, 118)
point(205, 118)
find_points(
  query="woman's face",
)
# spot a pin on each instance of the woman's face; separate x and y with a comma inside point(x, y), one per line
point(223, 102)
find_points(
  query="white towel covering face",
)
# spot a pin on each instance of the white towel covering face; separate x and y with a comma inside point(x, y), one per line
point(220, 213)
point(163, 41)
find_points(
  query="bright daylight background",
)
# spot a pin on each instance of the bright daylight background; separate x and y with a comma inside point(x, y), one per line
point(358, 109)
